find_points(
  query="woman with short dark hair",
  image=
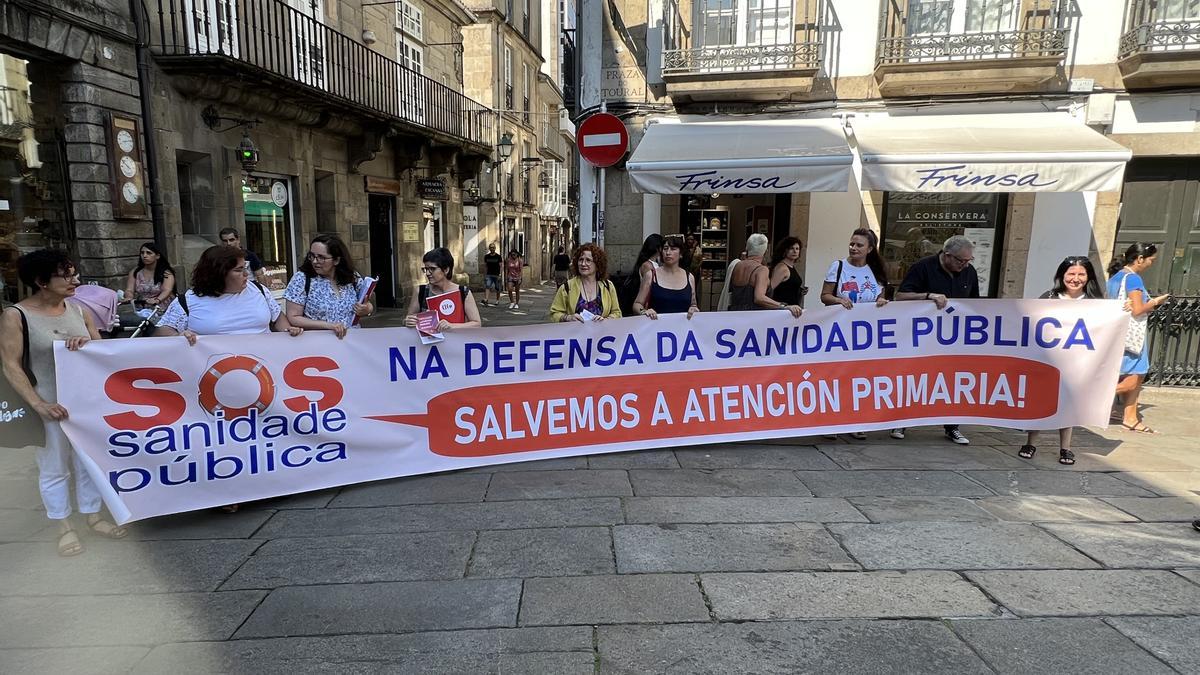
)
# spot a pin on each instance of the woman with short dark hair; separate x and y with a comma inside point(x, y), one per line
point(587, 292)
point(667, 288)
point(438, 267)
point(1125, 282)
point(323, 295)
point(28, 332)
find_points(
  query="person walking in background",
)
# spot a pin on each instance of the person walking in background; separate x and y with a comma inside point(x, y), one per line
point(324, 294)
point(438, 267)
point(28, 331)
point(786, 284)
point(588, 292)
point(513, 266)
point(859, 278)
point(562, 267)
point(1125, 283)
point(667, 288)
point(230, 237)
point(491, 275)
point(1075, 279)
point(749, 285)
point(937, 278)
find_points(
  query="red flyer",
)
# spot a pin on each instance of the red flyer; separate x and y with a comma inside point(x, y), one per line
point(449, 306)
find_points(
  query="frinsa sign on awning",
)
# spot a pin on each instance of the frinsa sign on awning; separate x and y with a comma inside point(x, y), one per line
point(1025, 152)
point(742, 157)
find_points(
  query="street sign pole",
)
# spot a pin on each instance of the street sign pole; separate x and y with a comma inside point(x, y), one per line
point(603, 141)
point(600, 195)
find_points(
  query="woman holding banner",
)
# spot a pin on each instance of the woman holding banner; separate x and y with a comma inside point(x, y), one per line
point(669, 289)
point(1125, 283)
point(324, 294)
point(858, 278)
point(27, 335)
point(454, 304)
point(1075, 279)
point(587, 295)
point(786, 284)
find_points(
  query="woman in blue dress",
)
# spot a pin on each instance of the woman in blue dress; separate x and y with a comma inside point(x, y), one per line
point(1125, 280)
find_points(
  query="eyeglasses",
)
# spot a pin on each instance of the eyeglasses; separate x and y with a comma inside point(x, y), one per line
point(429, 270)
point(74, 276)
point(963, 261)
point(313, 257)
point(244, 269)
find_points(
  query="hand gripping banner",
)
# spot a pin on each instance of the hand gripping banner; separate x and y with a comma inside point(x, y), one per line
point(164, 427)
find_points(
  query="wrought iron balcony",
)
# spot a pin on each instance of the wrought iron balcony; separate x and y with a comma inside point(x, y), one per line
point(1028, 29)
point(1159, 28)
point(801, 56)
point(776, 35)
point(268, 42)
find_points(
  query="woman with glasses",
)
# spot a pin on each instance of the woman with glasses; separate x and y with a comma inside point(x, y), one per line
point(324, 294)
point(587, 293)
point(437, 266)
point(667, 289)
point(1125, 281)
point(1075, 279)
point(27, 334)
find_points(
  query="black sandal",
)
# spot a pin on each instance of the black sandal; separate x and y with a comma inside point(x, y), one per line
point(1065, 456)
point(1026, 451)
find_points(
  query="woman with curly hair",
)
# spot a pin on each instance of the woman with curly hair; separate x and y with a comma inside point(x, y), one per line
point(588, 290)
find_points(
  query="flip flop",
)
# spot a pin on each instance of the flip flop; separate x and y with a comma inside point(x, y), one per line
point(1140, 427)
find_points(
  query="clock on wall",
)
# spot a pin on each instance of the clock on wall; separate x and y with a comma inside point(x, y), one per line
point(125, 160)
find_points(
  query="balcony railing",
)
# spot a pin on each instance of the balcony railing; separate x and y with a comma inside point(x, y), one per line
point(927, 31)
point(281, 44)
point(1155, 27)
point(776, 35)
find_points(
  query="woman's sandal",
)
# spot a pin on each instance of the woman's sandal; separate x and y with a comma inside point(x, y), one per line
point(102, 527)
point(1065, 456)
point(1140, 427)
point(1026, 451)
point(229, 508)
point(69, 544)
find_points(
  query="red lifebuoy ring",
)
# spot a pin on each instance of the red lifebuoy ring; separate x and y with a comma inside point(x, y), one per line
point(250, 364)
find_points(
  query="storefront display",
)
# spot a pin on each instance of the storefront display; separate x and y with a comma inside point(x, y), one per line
point(711, 229)
point(916, 223)
point(267, 203)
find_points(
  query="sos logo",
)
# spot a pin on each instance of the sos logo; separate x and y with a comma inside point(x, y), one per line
point(151, 388)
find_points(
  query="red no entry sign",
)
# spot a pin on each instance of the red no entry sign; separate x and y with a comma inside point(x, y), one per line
point(603, 139)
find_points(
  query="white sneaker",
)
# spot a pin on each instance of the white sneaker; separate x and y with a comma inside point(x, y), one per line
point(898, 434)
point(512, 305)
point(858, 435)
point(957, 436)
point(516, 306)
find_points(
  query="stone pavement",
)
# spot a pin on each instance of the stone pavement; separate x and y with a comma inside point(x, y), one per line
point(803, 555)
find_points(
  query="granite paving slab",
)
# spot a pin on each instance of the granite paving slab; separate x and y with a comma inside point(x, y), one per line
point(318, 499)
point(900, 509)
point(385, 608)
point(822, 595)
point(633, 598)
point(1060, 646)
point(1090, 592)
point(1194, 575)
point(1141, 545)
point(956, 546)
point(716, 483)
point(200, 525)
point(1042, 508)
point(903, 455)
point(1107, 458)
point(827, 647)
point(444, 517)
point(1165, 483)
point(555, 464)
point(25, 525)
point(21, 493)
point(1159, 509)
point(465, 651)
point(1060, 483)
point(749, 456)
point(355, 558)
point(438, 489)
point(739, 510)
point(638, 459)
point(868, 483)
point(558, 484)
point(114, 620)
point(1172, 639)
point(121, 567)
point(710, 548)
point(551, 552)
point(73, 660)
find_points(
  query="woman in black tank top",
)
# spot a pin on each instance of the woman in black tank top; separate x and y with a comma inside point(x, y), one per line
point(669, 289)
point(786, 284)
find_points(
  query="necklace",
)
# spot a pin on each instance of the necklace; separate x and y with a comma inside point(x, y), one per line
point(583, 290)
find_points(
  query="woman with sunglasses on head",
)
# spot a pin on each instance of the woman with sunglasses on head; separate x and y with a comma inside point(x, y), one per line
point(1075, 279)
point(437, 266)
point(28, 332)
point(1125, 280)
point(323, 295)
point(667, 289)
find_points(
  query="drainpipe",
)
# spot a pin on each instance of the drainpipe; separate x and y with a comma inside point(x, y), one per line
point(141, 22)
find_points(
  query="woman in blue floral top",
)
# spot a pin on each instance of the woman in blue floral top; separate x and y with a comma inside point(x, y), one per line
point(323, 295)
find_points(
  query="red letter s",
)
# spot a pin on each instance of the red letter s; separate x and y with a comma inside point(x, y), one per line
point(297, 377)
point(120, 388)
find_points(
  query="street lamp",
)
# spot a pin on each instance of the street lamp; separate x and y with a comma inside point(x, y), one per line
point(505, 148)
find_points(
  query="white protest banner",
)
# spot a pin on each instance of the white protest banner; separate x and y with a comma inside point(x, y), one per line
point(165, 427)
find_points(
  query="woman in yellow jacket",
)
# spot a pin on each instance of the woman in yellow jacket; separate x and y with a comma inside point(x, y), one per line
point(588, 294)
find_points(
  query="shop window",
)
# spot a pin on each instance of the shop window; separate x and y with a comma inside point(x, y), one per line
point(269, 230)
point(326, 184)
point(915, 225)
point(941, 17)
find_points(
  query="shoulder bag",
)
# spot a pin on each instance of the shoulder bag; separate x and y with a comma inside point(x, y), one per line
point(1135, 339)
